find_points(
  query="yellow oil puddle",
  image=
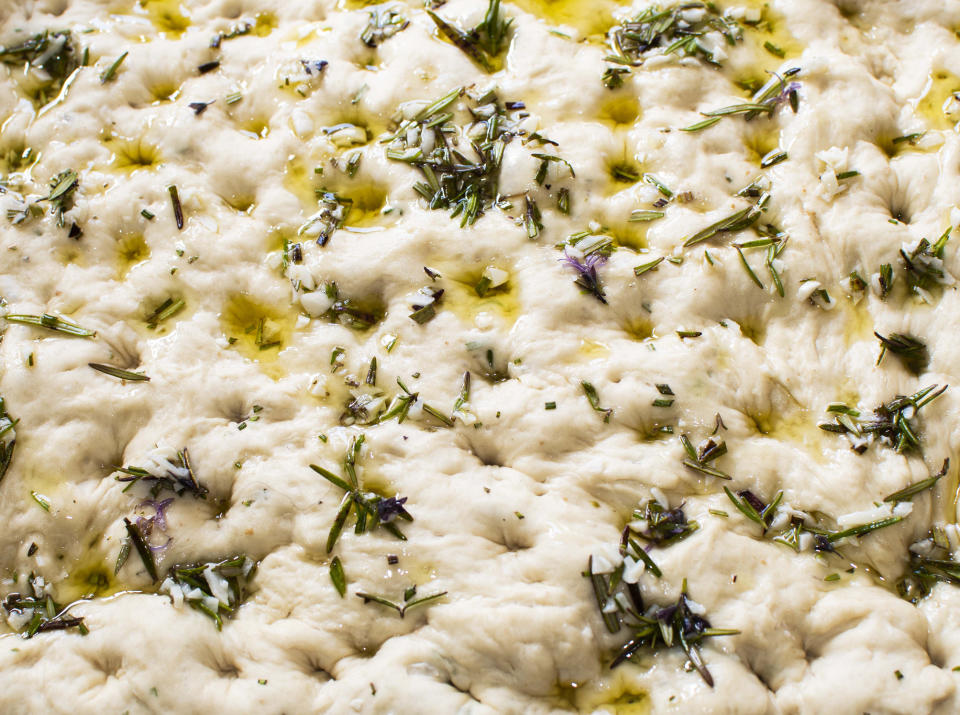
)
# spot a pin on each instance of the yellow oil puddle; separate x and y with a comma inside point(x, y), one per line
point(638, 328)
point(131, 155)
point(167, 16)
point(90, 577)
point(462, 298)
point(258, 331)
point(264, 23)
point(612, 695)
point(593, 349)
point(857, 323)
point(132, 249)
point(940, 103)
point(590, 18)
point(769, 41)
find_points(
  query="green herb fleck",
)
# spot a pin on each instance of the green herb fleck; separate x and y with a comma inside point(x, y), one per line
point(111, 71)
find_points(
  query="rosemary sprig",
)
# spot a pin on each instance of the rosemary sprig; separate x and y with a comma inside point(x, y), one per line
point(63, 186)
point(892, 422)
point(8, 438)
point(337, 576)
point(119, 373)
point(409, 600)
point(384, 23)
point(737, 221)
point(594, 399)
point(51, 322)
point(911, 351)
point(142, 548)
point(931, 561)
point(799, 524)
point(177, 206)
point(621, 604)
point(670, 31)
point(111, 71)
point(485, 42)
point(332, 213)
point(699, 459)
point(765, 100)
point(349, 312)
point(175, 475)
point(232, 576)
point(36, 612)
point(924, 266)
point(370, 510)
point(661, 526)
point(167, 309)
point(53, 54)
point(909, 492)
point(459, 163)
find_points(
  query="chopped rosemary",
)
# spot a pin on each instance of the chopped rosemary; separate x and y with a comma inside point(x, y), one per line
point(349, 312)
point(177, 207)
point(408, 600)
point(216, 588)
point(111, 71)
point(909, 492)
point(63, 186)
point(796, 529)
point(737, 221)
point(337, 576)
point(765, 100)
point(659, 525)
point(885, 280)
point(371, 510)
point(51, 322)
point(425, 309)
point(931, 561)
point(119, 373)
point(911, 352)
point(8, 438)
point(36, 612)
point(460, 163)
point(142, 548)
point(651, 266)
point(384, 23)
point(679, 29)
point(621, 604)
point(545, 160)
point(594, 399)
point(167, 309)
point(891, 422)
point(639, 215)
point(52, 56)
point(173, 472)
point(746, 266)
point(332, 213)
point(485, 42)
point(924, 265)
point(699, 459)
point(658, 185)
